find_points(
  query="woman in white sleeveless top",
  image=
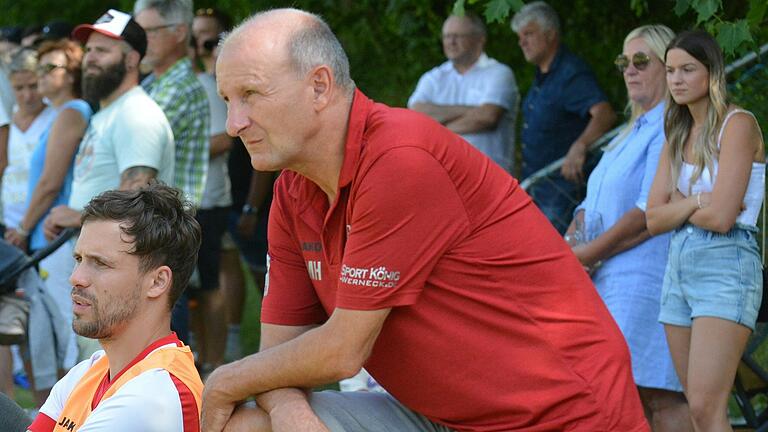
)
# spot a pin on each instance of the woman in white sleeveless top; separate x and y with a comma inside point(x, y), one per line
point(708, 189)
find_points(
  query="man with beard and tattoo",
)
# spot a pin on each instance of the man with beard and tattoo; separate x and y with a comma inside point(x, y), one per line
point(129, 142)
point(134, 257)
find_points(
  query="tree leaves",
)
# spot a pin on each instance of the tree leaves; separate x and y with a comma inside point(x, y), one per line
point(498, 10)
point(730, 35)
point(706, 9)
point(681, 6)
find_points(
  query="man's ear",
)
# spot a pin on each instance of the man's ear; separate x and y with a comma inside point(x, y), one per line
point(182, 31)
point(132, 60)
point(321, 80)
point(159, 281)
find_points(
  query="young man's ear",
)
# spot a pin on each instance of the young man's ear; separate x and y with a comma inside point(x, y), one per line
point(159, 281)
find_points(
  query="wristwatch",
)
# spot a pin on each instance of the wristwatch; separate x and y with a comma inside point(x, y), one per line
point(249, 209)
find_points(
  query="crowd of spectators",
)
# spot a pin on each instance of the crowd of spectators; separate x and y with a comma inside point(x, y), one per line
point(133, 99)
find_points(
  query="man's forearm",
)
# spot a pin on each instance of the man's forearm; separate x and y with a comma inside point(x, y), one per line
point(601, 119)
point(477, 119)
point(442, 113)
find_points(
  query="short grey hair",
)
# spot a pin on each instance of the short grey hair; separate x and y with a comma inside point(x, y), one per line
point(477, 23)
point(314, 44)
point(540, 12)
point(23, 60)
point(172, 11)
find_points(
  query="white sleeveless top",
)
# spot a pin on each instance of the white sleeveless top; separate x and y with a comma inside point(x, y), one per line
point(753, 199)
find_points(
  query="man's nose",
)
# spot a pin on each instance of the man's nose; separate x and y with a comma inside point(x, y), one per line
point(237, 119)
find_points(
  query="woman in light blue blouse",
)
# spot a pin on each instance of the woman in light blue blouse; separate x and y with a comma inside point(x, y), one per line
point(627, 264)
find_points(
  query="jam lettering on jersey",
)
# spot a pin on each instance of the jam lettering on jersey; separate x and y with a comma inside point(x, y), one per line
point(369, 276)
point(67, 424)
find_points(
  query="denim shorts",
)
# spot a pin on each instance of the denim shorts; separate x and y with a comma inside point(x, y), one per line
point(712, 274)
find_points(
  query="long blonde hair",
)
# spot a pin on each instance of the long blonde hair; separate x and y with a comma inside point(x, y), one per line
point(677, 118)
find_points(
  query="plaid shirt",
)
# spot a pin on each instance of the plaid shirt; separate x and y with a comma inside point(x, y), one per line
point(184, 102)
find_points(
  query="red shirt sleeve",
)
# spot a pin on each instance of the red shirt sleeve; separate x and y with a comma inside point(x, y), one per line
point(289, 297)
point(400, 224)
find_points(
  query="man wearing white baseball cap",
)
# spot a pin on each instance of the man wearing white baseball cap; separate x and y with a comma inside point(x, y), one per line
point(129, 141)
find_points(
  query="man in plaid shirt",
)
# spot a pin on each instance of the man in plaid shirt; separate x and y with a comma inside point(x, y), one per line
point(175, 87)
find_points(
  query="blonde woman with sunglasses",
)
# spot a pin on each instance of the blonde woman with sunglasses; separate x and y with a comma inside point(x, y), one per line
point(630, 277)
point(708, 190)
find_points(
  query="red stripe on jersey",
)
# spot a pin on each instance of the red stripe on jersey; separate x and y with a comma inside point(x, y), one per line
point(106, 382)
point(42, 423)
point(188, 406)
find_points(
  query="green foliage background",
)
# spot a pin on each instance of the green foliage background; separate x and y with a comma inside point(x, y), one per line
point(392, 42)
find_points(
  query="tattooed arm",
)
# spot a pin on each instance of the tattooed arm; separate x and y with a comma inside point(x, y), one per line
point(136, 177)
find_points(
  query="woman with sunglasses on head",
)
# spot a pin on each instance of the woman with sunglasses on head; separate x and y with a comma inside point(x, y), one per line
point(708, 190)
point(611, 225)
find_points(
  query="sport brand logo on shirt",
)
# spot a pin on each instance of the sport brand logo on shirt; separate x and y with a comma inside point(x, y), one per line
point(369, 276)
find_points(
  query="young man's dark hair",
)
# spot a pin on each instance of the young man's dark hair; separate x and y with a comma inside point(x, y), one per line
point(162, 226)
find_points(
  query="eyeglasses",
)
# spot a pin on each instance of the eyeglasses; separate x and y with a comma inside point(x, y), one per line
point(155, 29)
point(449, 36)
point(640, 60)
point(45, 69)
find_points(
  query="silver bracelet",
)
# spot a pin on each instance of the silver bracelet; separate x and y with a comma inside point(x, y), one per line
point(22, 232)
point(698, 200)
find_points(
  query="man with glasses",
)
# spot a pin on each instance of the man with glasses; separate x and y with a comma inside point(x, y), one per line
point(564, 112)
point(173, 84)
point(471, 94)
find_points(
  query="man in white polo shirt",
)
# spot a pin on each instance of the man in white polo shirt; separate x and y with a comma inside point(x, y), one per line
point(471, 94)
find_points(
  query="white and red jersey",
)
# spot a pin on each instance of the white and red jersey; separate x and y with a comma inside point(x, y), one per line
point(159, 391)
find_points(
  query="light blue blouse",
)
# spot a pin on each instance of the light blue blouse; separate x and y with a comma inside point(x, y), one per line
point(622, 181)
point(37, 162)
point(630, 283)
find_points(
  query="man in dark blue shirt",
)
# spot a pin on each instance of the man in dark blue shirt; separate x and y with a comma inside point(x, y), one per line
point(564, 112)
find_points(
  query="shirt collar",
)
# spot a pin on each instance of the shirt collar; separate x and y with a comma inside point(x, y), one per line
point(555, 62)
point(180, 67)
point(655, 115)
point(358, 117)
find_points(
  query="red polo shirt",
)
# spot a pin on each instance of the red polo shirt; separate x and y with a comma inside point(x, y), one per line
point(494, 326)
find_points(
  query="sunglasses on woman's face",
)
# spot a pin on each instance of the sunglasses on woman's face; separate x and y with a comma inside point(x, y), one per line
point(640, 60)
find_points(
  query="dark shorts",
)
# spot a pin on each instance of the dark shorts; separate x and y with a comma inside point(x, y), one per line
point(254, 248)
point(213, 223)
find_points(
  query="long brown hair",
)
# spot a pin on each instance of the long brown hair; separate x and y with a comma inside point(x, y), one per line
point(677, 118)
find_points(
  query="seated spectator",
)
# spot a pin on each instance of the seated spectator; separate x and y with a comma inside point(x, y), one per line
point(708, 190)
point(135, 253)
point(396, 245)
point(471, 93)
point(613, 230)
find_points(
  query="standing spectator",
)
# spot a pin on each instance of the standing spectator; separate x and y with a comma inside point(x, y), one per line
point(207, 27)
point(51, 166)
point(175, 87)
point(128, 142)
point(29, 122)
point(630, 277)
point(471, 94)
point(217, 201)
point(564, 111)
point(396, 245)
point(708, 189)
